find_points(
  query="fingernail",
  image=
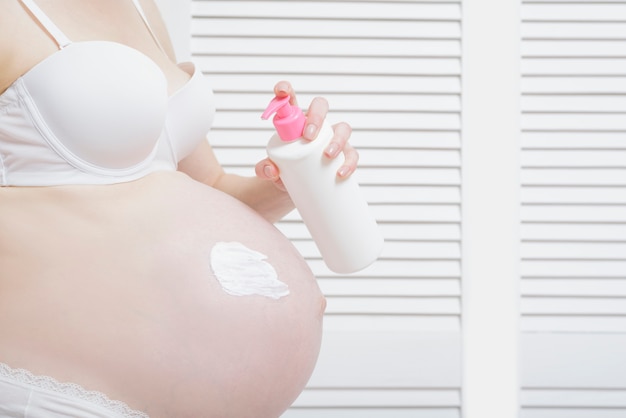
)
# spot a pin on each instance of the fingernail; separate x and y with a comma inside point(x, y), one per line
point(282, 88)
point(267, 170)
point(343, 171)
point(332, 150)
point(310, 131)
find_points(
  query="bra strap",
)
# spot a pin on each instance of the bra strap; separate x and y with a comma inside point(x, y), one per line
point(145, 21)
point(53, 30)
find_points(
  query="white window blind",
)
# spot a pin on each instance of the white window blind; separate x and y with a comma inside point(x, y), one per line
point(574, 209)
point(392, 69)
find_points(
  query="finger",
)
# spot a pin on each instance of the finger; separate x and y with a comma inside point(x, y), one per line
point(350, 163)
point(279, 184)
point(315, 118)
point(342, 132)
point(283, 89)
point(266, 169)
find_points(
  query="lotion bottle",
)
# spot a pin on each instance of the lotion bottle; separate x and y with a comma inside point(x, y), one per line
point(332, 208)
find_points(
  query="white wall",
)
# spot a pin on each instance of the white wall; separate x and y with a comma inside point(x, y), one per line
point(177, 16)
point(491, 126)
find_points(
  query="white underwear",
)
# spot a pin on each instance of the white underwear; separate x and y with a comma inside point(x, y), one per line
point(24, 395)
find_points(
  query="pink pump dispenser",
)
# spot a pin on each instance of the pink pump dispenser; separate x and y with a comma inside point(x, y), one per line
point(289, 120)
point(333, 209)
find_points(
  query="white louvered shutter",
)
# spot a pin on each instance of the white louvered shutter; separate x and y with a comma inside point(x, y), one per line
point(574, 209)
point(392, 69)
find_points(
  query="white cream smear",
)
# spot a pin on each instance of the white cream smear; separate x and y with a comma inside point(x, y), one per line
point(243, 272)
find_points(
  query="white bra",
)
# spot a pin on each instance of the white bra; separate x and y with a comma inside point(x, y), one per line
point(97, 112)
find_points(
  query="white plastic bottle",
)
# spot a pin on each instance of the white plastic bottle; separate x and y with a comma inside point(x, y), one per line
point(333, 209)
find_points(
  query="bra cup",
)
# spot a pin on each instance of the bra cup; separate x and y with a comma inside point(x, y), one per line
point(105, 106)
point(190, 115)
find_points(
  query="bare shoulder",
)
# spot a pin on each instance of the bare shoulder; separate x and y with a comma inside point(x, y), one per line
point(10, 12)
point(158, 25)
point(13, 41)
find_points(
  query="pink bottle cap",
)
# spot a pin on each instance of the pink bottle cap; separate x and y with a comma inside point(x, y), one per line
point(289, 120)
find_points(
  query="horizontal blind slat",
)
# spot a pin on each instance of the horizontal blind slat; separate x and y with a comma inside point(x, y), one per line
point(277, 28)
point(585, 30)
point(324, 83)
point(587, 11)
point(328, 47)
point(339, 10)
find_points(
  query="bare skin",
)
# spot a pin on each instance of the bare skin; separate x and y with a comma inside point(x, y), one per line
point(110, 287)
point(121, 299)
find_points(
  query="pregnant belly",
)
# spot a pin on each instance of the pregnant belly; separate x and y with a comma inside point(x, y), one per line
point(179, 301)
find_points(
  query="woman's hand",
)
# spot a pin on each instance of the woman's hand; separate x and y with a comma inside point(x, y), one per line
point(316, 114)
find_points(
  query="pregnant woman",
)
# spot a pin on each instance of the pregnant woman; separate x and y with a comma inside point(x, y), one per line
point(136, 277)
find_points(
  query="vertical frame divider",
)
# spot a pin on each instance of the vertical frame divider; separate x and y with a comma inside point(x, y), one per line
point(490, 207)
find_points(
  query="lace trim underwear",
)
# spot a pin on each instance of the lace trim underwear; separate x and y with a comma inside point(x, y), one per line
point(71, 390)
